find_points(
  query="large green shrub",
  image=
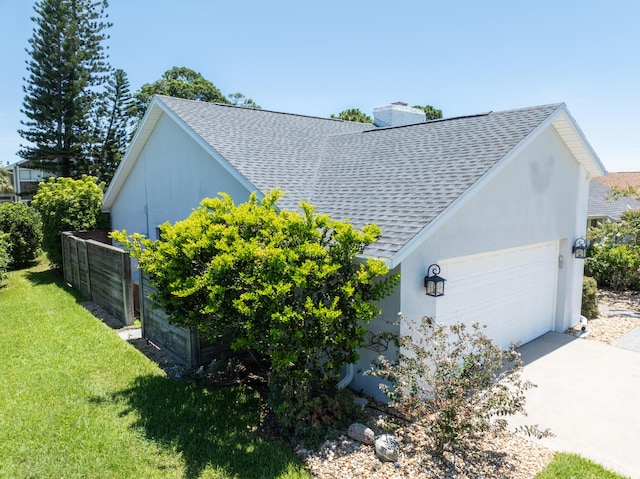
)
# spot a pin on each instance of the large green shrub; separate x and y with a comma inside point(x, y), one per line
point(283, 283)
point(24, 227)
point(589, 307)
point(614, 258)
point(453, 383)
point(616, 267)
point(5, 257)
point(66, 204)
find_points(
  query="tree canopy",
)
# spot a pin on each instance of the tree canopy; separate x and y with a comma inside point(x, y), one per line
point(353, 114)
point(431, 112)
point(113, 125)
point(67, 67)
point(180, 82)
point(238, 99)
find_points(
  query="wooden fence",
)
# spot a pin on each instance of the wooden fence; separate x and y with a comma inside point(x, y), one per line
point(99, 271)
point(186, 345)
point(102, 273)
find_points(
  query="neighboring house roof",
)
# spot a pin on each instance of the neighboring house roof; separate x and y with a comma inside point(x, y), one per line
point(401, 178)
point(621, 179)
point(11, 166)
point(602, 206)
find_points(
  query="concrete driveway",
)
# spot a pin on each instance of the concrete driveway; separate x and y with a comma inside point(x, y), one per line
point(588, 394)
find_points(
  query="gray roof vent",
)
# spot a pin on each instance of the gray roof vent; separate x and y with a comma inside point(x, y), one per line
point(397, 114)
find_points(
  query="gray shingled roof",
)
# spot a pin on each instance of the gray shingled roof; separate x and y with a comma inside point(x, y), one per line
point(601, 206)
point(268, 148)
point(400, 178)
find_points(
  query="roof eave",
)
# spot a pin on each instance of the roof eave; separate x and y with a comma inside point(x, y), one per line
point(147, 124)
point(577, 143)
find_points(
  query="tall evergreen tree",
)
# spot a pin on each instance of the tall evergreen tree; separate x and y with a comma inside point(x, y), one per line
point(112, 127)
point(67, 67)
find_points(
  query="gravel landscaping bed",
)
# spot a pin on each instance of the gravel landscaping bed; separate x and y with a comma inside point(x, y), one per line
point(507, 455)
point(488, 457)
point(619, 314)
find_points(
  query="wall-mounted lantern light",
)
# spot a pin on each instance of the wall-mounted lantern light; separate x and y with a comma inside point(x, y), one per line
point(433, 282)
point(579, 249)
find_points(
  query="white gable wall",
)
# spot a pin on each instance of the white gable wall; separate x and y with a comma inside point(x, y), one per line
point(171, 176)
point(538, 197)
point(531, 209)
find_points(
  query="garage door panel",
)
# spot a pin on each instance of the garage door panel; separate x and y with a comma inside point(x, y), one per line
point(513, 292)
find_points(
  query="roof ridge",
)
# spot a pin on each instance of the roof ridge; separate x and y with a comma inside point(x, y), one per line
point(257, 109)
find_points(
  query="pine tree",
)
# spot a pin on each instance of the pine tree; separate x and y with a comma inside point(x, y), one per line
point(112, 127)
point(68, 65)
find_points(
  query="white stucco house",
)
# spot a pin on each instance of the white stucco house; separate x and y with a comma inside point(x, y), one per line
point(496, 199)
point(24, 179)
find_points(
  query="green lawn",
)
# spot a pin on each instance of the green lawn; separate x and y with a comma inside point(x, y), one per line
point(78, 402)
point(572, 466)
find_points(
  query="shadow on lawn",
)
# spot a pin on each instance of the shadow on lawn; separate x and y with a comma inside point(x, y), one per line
point(48, 276)
point(209, 426)
point(52, 276)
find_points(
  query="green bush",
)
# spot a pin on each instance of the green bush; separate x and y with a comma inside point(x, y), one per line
point(614, 258)
point(617, 267)
point(589, 307)
point(24, 227)
point(452, 382)
point(5, 257)
point(283, 283)
point(66, 204)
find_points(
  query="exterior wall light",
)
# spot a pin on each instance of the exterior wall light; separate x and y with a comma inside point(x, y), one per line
point(579, 249)
point(433, 282)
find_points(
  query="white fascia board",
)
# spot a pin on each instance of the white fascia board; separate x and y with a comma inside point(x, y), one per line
point(148, 122)
point(574, 138)
point(557, 117)
point(362, 258)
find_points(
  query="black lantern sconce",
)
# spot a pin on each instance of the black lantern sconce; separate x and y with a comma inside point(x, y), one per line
point(579, 249)
point(433, 282)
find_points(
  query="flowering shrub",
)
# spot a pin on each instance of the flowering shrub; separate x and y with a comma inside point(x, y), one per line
point(453, 382)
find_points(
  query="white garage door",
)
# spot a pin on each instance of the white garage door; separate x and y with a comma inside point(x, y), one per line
point(512, 292)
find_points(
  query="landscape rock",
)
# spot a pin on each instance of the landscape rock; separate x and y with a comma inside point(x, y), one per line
point(387, 448)
point(361, 433)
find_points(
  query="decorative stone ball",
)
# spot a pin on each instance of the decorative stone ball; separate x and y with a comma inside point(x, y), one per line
point(361, 433)
point(387, 448)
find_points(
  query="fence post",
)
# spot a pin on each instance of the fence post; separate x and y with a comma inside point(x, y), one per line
point(127, 293)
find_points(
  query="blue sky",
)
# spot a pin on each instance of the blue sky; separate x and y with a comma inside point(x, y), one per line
point(321, 57)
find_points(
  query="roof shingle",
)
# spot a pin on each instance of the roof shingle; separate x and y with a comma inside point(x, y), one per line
point(399, 177)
